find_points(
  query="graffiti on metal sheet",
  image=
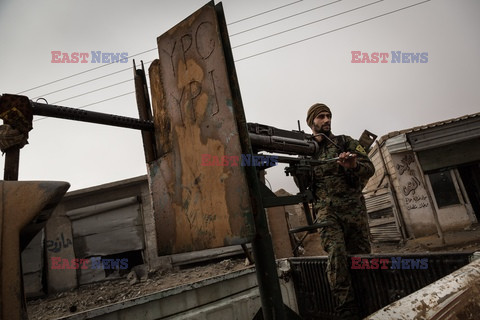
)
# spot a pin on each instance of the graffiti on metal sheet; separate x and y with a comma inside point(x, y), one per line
point(200, 206)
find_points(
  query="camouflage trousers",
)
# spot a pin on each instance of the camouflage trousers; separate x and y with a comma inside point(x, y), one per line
point(347, 234)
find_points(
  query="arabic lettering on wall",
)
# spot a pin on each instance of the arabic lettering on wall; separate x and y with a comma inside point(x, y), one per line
point(59, 244)
point(413, 190)
point(404, 164)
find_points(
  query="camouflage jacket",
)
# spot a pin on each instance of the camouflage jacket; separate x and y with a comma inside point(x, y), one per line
point(336, 186)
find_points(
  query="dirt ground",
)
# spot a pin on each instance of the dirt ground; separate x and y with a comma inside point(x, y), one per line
point(461, 241)
point(104, 293)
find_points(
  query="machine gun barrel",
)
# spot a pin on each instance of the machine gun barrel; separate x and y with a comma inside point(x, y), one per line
point(271, 139)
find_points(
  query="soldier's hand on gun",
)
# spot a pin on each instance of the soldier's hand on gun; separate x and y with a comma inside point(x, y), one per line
point(347, 160)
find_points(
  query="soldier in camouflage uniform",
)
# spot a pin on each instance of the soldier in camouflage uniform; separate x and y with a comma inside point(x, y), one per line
point(339, 200)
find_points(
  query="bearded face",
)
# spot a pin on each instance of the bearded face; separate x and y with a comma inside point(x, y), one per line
point(322, 123)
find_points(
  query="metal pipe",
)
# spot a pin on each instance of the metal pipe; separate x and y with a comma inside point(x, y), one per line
point(12, 160)
point(49, 110)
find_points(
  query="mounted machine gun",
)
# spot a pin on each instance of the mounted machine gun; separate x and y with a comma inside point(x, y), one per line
point(295, 142)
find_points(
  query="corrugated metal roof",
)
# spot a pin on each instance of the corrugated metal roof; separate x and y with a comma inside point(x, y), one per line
point(428, 126)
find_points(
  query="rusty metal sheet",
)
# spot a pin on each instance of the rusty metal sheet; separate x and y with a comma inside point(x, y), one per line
point(24, 209)
point(196, 206)
point(455, 296)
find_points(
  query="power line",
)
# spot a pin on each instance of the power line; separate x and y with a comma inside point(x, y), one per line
point(307, 24)
point(99, 89)
point(245, 58)
point(264, 12)
point(108, 99)
point(87, 81)
point(285, 18)
point(81, 83)
point(82, 72)
point(331, 31)
point(146, 51)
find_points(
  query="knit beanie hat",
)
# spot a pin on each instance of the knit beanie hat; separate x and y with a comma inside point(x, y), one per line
point(314, 110)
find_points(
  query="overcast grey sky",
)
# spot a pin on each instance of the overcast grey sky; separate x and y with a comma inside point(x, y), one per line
point(283, 67)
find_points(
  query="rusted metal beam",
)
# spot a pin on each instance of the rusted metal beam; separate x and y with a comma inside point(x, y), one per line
point(144, 112)
point(54, 111)
point(12, 160)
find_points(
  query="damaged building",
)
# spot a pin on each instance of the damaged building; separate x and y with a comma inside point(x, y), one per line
point(427, 180)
